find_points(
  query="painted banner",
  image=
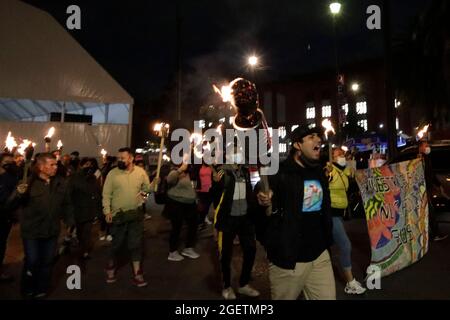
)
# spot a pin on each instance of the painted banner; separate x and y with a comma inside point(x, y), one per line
point(396, 207)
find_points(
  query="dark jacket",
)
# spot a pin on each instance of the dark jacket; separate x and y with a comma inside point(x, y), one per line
point(43, 207)
point(8, 184)
point(225, 189)
point(283, 232)
point(86, 196)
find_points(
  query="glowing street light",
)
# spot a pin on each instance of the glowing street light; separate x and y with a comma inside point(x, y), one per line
point(253, 61)
point(355, 87)
point(335, 8)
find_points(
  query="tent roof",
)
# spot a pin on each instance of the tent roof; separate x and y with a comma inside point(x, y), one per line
point(39, 60)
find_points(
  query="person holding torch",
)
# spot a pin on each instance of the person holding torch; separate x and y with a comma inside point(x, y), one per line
point(299, 230)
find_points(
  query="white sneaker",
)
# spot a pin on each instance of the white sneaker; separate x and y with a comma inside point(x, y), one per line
point(102, 238)
point(109, 238)
point(175, 256)
point(228, 294)
point(354, 287)
point(248, 291)
point(190, 253)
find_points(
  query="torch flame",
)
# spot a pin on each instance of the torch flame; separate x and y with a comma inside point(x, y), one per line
point(422, 132)
point(159, 126)
point(104, 152)
point(328, 127)
point(50, 132)
point(59, 144)
point(225, 92)
point(10, 142)
point(24, 145)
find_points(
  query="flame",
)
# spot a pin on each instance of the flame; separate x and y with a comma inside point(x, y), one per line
point(158, 127)
point(104, 152)
point(10, 142)
point(328, 127)
point(166, 158)
point(225, 92)
point(344, 148)
point(422, 132)
point(50, 132)
point(59, 144)
point(24, 145)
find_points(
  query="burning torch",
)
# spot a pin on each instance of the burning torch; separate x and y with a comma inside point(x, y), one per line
point(243, 96)
point(162, 130)
point(59, 145)
point(26, 149)
point(423, 132)
point(103, 152)
point(10, 143)
point(328, 129)
point(48, 138)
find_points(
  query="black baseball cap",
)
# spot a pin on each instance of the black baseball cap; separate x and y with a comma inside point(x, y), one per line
point(304, 130)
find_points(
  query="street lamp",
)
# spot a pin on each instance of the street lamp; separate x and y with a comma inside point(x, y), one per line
point(252, 61)
point(335, 8)
point(355, 87)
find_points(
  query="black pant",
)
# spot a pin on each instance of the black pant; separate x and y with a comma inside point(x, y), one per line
point(104, 226)
point(204, 203)
point(84, 235)
point(243, 228)
point(37, 269)
point(5, 228)
point(179, 212)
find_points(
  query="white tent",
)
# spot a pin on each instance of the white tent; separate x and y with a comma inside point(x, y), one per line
point(44, 70)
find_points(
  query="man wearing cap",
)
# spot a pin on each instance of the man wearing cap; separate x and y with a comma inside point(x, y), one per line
point(299, 229)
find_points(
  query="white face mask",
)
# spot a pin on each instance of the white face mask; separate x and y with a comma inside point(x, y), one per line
point(341, 161)
point(427, 150)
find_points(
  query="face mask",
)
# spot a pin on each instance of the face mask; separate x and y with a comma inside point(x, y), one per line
point(11, 168)
point(341, 161)
point(121, 165)
point(427, 150)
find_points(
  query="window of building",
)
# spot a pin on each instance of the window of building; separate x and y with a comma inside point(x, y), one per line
point(326, 111)
point(283, 148)
point(361, 107)
point(310, 113)
point(282, 132)
point(345, 108)
point(363, 124)
point(397, 124)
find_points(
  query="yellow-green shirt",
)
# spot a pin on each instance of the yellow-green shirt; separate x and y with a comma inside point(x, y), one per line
point(338, 187)
point(122, 188)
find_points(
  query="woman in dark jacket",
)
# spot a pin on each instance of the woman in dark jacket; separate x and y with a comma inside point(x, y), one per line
point(85, 192)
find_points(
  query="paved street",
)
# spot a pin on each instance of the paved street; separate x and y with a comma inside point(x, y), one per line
point(200, 279)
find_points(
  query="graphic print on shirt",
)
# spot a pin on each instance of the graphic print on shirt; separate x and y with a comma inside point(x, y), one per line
point(313, 196)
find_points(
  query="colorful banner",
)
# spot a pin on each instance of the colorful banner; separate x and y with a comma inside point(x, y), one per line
point(396, 206)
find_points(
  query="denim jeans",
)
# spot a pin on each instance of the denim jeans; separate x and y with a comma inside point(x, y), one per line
point(343, 243)
point(37, 270)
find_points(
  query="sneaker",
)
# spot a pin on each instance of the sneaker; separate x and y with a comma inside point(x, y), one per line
point(207, 221)
point(41, 295)
point(248, 291)
point(236, 241)
point(138, 279)
point(102, 238)
point(109, 238)
point(440, 237)
point(147, 217)
point(354, 287)
point(111, 275)
point(190, 253)
point(228, 294)
point(175, 256)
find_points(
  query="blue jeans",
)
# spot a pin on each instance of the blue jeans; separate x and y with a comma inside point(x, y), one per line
point(37, 269)
point(343, 243)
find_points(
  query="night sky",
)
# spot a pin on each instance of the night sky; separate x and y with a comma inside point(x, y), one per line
point(135, 41)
